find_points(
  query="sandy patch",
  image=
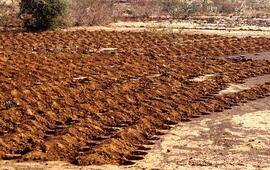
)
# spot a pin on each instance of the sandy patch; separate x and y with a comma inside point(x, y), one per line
point(234, 88)
point(203, 78)
point(248, 84)
point(259, 120)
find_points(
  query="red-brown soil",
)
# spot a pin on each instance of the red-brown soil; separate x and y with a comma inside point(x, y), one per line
point(62, 100)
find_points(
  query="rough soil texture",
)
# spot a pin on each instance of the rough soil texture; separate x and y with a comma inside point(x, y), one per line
point(100, 97)
point(233, 139)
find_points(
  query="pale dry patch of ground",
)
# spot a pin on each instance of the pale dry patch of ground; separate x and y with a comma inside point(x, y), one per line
point(203, 78)
point(237, 33)
point(187, 25)
point(236, 139)
point(256, 120)
point(252, 82)
point(184, 27)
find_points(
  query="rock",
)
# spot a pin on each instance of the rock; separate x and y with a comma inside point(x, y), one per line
point(7, 57)
point(90, 51)
point(12, 156)
point(108, 50)
point(81, 78)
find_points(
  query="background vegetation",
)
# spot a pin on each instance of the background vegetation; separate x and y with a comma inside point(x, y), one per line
point(56, 13)
point(40, 15)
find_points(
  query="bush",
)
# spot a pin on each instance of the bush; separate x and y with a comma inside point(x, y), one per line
point(178, 8)
point(143, 8)
point(91, 12)
point(8, 11)
point(226, 6)
point(41, 15)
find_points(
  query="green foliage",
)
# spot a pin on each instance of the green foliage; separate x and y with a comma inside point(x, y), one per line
point(41, 15)
point(165, 72)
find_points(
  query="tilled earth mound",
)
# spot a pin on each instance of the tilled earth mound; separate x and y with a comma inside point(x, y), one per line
point(102, 97)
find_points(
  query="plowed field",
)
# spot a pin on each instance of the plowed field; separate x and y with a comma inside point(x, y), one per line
point(66, 96)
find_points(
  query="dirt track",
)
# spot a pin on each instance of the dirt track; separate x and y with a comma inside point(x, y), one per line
point(64, 97)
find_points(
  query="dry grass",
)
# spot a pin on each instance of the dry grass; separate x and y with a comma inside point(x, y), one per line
point(91, 12)
point(8, 11)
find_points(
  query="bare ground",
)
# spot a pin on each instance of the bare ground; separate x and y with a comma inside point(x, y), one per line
point(98, 97)
point(233, 139)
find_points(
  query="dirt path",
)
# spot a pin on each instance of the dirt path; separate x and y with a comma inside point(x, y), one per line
point(181, 27)
point(235, 139)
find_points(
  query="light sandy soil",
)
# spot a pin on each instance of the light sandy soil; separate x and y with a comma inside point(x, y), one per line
point(236, 139)
point(177, 27)
point(253, 82)
point(238, 33)
point(189, 25)
point(183, 27)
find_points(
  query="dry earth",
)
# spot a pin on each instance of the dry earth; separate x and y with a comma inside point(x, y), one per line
point(97, 97)
point(234, 139)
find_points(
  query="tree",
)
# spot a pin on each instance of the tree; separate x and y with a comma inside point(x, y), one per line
point(41, 15)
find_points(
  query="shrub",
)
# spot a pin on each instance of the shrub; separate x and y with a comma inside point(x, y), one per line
point(41, 15)
point(91, 12)
point(226, 6)
point(144, 8)
point(178, 8)
point(8, 9)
